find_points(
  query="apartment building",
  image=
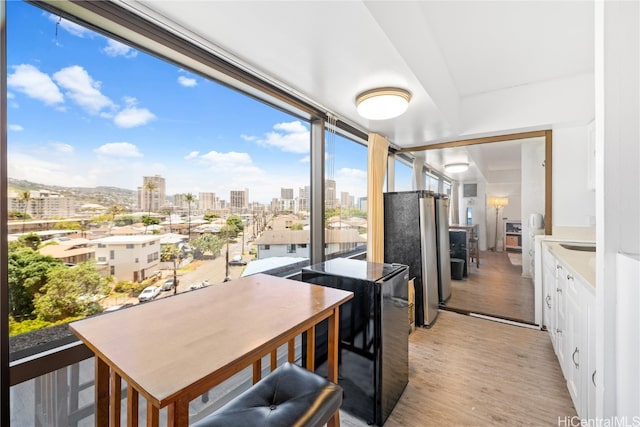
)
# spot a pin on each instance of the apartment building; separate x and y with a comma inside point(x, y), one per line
point(128, 258)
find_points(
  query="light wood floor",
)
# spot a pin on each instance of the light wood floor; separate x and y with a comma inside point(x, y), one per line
point(496, 288)
point(467, 371)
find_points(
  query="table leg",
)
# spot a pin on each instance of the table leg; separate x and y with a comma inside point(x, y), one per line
point(291, 350)
point(101, 393)
point(132, 406)
point(332, 357)
point(115, 398)
point(311, 348)
point(178, 414)
point(257, 370)
point(153, 415)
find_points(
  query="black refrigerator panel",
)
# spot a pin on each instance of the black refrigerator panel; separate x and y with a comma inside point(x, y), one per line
point(373, 350)
point(410, 239)
point(458, 243)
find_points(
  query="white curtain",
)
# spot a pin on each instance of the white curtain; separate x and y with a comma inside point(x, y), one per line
point(418, 166)
point(377, 164)
point(454, 203)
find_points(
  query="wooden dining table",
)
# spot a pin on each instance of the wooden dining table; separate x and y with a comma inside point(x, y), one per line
point(174, 349)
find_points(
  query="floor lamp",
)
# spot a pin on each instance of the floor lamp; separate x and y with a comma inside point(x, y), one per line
point(497, 202)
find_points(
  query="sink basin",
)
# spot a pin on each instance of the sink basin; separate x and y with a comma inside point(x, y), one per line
point(583, 248)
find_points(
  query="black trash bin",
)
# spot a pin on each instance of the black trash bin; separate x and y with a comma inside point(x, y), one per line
point(457, 268)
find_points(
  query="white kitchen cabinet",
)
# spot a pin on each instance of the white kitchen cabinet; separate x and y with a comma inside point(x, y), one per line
point(570, 318)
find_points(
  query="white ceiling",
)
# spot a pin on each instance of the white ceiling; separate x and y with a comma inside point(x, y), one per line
point(444, 52)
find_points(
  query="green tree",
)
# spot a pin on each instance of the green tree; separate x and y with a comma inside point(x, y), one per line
point(208, 243)
point(149, 220)
point(126, 220)
point(69, 225)
point(25, 197)
point(235, 223)
point(189, 198)
point(167, 254)
point(70, 292)
point(31, 240)
point(27, 274)
point(114, 211)
point(210, 216)
point(296, 226)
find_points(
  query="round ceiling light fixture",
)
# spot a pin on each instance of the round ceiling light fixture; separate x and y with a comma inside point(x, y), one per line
point(383, 103)
point(456, 167)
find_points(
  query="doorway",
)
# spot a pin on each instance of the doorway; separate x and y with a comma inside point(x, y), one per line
point(502, 285)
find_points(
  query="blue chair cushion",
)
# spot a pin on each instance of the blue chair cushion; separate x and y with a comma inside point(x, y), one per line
point(289, 396)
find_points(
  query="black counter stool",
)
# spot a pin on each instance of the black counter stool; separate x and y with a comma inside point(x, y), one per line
point(288, 396)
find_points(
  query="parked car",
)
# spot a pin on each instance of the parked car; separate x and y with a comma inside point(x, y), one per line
point(168, 284)
point(199, 285)
point(237, 260)
point(149, 293)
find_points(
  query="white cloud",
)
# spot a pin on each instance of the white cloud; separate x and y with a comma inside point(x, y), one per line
point(15, 128)
point(305, 159)
point(82, 89)
point(132, 116)
point(192, 155)
point(291, 137)
point(226, 160)
point(70, 27)
point(119, 149)
point(35, 84)
point(61, 147)
point(115, 48)
point(39, 169)
point(249, 137)
point(187, 81)
point(10, 95)
point(353, 181)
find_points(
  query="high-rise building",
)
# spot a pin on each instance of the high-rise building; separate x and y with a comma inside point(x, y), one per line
point(44, 204)
point(286, 193)
point(207, 201)
point(346, 200)
point(362, 204)
point(304, 197)
point(330, 197)
point(152, 195)
point(239, 200)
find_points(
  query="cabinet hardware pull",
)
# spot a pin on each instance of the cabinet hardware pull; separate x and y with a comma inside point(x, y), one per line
point(558, 331)
point(559, 290)
point(593, 378)
point(569, 277)
point(573, 357)
point(559, 267)
point(547, 299)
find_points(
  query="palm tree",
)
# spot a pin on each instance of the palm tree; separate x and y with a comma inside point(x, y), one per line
point(189, 198)
point(114, 211)
point(149, 186)
point(24, 196)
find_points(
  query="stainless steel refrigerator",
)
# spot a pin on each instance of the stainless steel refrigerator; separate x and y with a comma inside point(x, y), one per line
point(410, 239)
point(442, 242)
point(374, 334)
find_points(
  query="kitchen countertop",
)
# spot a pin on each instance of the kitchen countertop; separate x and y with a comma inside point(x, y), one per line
point(582, 263)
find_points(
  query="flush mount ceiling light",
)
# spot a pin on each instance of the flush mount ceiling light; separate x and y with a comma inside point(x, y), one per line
point(383, 103)
point(456, 167)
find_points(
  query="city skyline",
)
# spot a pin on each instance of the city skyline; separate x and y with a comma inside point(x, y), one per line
point(84, 110)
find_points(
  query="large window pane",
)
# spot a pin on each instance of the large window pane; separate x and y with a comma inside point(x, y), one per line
point(345, 196)
point(404, 176)
point(127, 172)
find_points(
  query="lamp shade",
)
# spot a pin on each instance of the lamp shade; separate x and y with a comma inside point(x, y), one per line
point(456, 167)
point(499, 202)
point(383, 103)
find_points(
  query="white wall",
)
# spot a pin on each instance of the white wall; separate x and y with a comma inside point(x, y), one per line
point(617, 67)
point(533, 197)
point(573, 202)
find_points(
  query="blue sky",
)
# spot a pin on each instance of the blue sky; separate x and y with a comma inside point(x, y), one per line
point(84, 110)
